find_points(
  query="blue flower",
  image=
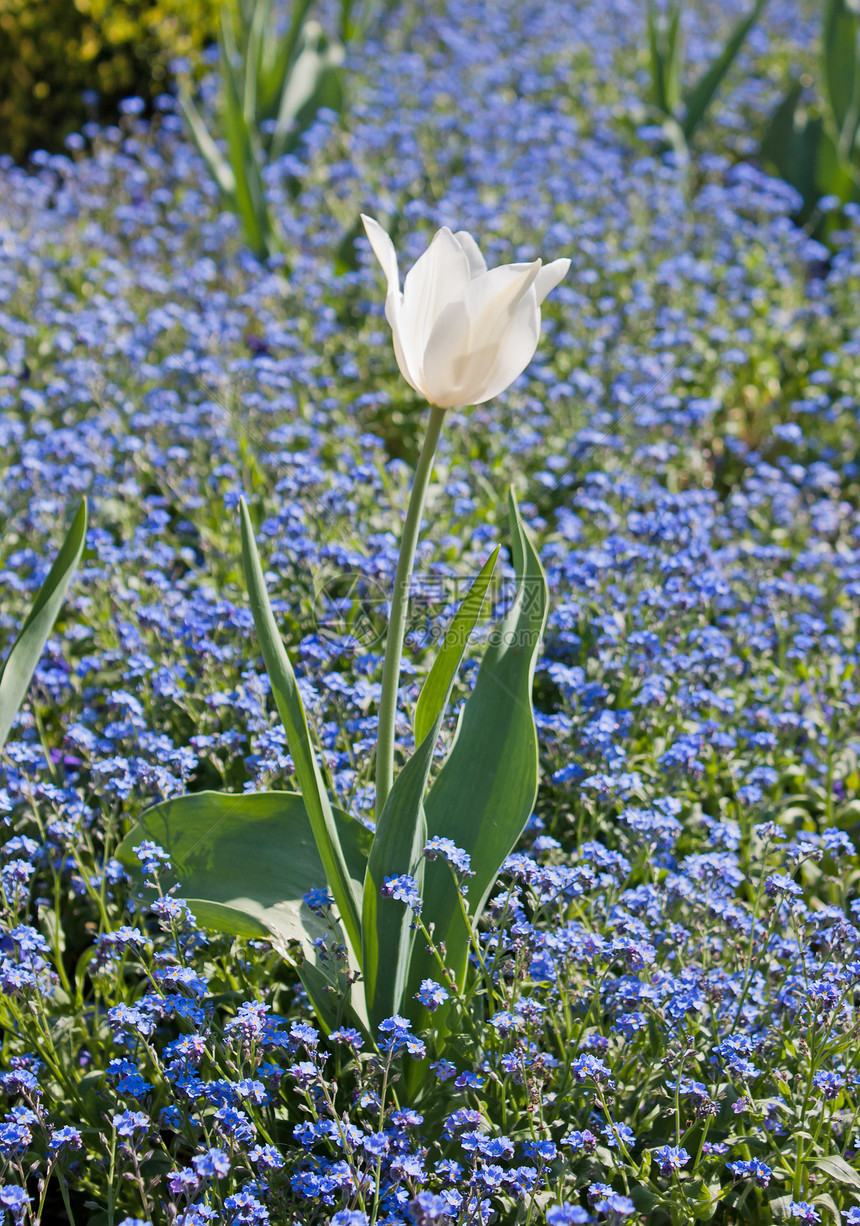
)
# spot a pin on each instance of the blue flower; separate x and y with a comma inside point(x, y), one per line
point(459, 859)
point(759, 1172)
point(670, 1158)
point(403, 888)
point(802, 1211)
point(567, 1214)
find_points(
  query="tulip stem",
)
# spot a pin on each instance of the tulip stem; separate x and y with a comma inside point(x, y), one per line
point(399, 609)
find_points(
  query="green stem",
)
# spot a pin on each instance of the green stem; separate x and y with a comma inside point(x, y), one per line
point(399, 607)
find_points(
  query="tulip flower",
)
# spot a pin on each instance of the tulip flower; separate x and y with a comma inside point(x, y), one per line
point(462, 332)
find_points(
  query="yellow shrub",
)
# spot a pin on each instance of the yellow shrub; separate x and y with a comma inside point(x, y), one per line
point(51, 51)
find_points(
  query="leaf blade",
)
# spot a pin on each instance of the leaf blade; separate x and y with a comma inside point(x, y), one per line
point(401, 831)
point(700, 97)
point(17, 672)
point(486, 788)
point(245, 862)
point(292, 712)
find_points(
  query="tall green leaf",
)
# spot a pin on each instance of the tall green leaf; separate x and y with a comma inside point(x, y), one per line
point(400, 832)
point(292, 712)
point(664, 51)
point(437, 686)
point(244, 864)
point(21, 662)
point(841, 69)
point(791, 145)
point(279, 59)
point(702, 94)
point(218, 166)
point(486, 788)
point(313, 82)
point(249, 192)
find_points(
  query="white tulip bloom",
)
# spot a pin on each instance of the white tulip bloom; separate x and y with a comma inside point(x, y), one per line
point(462, 332)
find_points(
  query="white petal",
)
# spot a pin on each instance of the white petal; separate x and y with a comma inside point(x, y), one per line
point(516, 348)
point(409, 362)
point(492, 298)
point(477, 263)
point(464, 361)
point(446, 359)
point(439, 276)
point(383, 249)
point(549, 277)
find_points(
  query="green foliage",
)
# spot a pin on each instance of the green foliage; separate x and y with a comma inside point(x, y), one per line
point(679, 111)
point(245, 864)
point(51, 51)
point(17, 672)
point(812, 144)
point(291, 710)
point(232, 853)
point(271, 91)
point(388, 950)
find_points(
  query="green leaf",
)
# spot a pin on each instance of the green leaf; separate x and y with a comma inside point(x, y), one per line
point(486, 788)
point(791, 145)
point(17, 672)
point(278, 58)
point(437, 687)
point(834, 175)
point(401, 832)
point(826, 1202)
point(249, 193)
point(839, 1169)
point(216, 163)
point(702, 94)
point(664, 49)
point(841, 70)
point(292, 712)
point(244, 863)
point(313, 82)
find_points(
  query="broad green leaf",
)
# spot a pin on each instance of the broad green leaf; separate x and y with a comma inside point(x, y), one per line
point(834, 175)
point(702, 94)
point(825, 1201)
point(286, 54)
point(249, 193)
point(401, 831)
point(791, 145)
point(17, 672)
point(292, 712)
point(216, 163)
point(313, 82)
point(244, 864)
point(486, 788)
point(841, 70)
point(838, 1169)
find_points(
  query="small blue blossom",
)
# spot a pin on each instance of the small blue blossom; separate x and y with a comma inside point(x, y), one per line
point(404, 889)
point(670, 1158)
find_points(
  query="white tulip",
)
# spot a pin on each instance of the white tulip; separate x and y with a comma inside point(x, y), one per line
point(462, 332)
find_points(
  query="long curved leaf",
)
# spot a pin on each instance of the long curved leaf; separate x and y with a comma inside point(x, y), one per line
point(840, 53)
point(249, 192)
point(387, 938)
point(486, 789)
point(244, 864)
point(21, 662)
point(437, 685)
point(292, 712)
point(702, 94)
point(217, 164)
